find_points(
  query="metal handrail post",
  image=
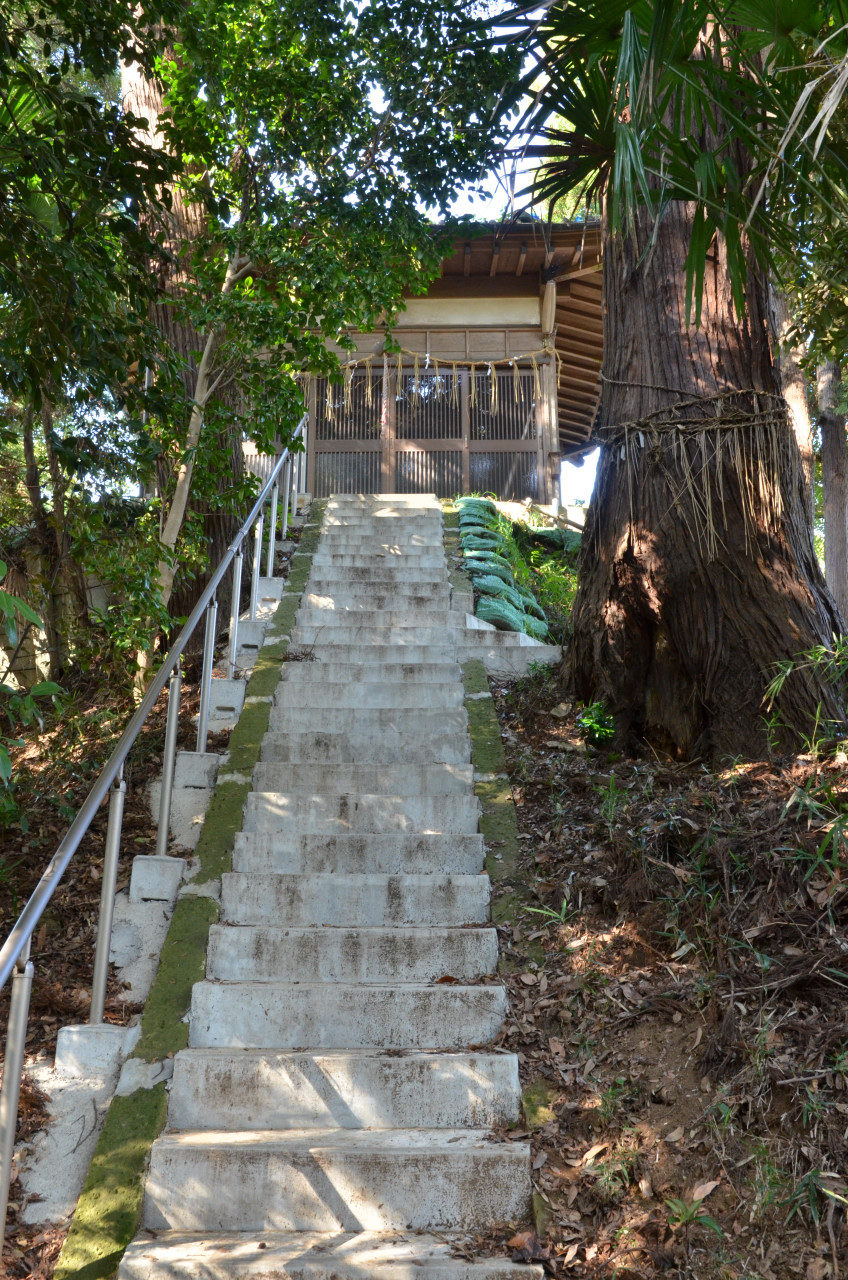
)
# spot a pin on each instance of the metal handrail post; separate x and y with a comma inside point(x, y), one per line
point(285, 492)
point(238, 563)
point(10, 1091)
point(293, 496)
point(169, 760)
point(272, 532)
point(206, 674)
point(257, 565)
point(107, 899)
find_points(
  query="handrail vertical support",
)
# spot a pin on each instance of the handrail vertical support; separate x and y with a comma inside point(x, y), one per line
point(285, 493)
point(235, 605)
point(12, 1070)
point(257, 566)
point(107, 898)
point(169, 760)
point(294, 489)
point(272, 532)
point(206, 673)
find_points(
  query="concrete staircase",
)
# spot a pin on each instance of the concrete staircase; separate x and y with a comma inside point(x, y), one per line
point(331, 1118)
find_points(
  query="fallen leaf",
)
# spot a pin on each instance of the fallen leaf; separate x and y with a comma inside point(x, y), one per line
point(675, 1135)
point(704, 1189)
point(594, 1151)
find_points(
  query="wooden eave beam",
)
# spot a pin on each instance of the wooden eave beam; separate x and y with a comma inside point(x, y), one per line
point(522, 258)
point(496, 253)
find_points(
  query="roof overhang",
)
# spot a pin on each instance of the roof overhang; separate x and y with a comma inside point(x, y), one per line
point(520, 258)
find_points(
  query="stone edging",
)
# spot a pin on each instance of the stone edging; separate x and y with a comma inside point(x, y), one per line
point(107, 1213)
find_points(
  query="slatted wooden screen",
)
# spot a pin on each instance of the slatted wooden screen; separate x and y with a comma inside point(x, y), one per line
point(428, 434)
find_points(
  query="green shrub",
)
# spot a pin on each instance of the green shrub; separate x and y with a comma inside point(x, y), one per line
point(489, 569)
point(481, 506)
point(483, 541)
point(494, 587)
point(535, 627)
point(596, 724)
point(500, 614)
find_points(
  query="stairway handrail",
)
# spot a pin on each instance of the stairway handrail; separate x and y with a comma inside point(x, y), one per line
point(21, 932)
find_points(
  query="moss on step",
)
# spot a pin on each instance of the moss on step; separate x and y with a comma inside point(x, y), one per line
point(107, 1213)
point(181, 964)
point(498, 820)
point(109, 1207)
point(475, 679)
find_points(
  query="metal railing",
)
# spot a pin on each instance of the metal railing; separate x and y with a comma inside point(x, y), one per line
point(15, 961)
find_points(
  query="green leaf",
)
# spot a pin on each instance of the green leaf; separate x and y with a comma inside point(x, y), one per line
point(5, 766)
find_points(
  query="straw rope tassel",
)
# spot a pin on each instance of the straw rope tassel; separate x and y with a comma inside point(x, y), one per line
point(348, 388)
point(493, 389)
point(454, 385)
point(416, 383)
point(473, 384)
point(330, 408)
point(399, 388)
point(516, 382)
point(537, 383)
point(369, 385)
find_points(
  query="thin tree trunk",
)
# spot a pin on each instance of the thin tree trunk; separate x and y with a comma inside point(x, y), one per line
point(834, 462)
point(698, 570)
point(793, 384)
point(186, 222)
point(56, 651)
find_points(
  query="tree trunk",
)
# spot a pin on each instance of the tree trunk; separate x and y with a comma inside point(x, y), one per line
point(57, 652)
point(143, 98)
point(698, 570)
point(793, 384)
point(834, 462)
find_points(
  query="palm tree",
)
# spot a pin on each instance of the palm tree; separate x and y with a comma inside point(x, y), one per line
point(698, 569)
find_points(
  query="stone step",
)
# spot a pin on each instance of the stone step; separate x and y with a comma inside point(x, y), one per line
point(408, 652)
point(400, 695)
point(345, 1180)
point(410, 534)
point(381, 576)
point(313, 813)
point(308, 1015)
point(417, 559)
point(361, 670)
point(364, 722)
point(310, 1256)
point(425, 639)
point(374, 955)
point(333, 617)
point(370, 899)
point(374, 779)
point(365, 747)
point(366, 600)
point(398, 853)
point(252, 1089)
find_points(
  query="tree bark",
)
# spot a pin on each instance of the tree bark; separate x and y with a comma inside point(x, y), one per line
point(793, 384)
point(834, 462)
point(698, 571)
point(57, 652)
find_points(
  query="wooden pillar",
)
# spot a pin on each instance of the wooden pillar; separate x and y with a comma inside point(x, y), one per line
point(311, 432)
point(465, 422)
point(388, 427)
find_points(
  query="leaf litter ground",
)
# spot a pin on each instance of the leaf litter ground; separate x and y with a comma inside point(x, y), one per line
point(678, 972)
